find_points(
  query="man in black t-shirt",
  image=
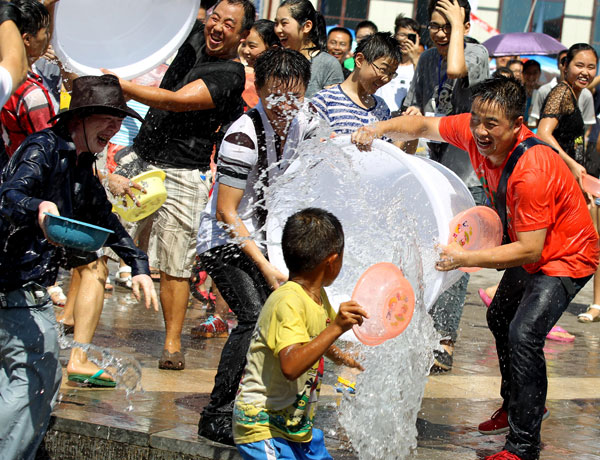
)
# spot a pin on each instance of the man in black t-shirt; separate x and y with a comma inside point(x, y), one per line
point(199, 96)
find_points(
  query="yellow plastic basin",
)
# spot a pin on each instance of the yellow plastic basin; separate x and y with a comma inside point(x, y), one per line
point(155, 196)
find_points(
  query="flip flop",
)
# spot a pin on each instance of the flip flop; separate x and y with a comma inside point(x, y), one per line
point(93, 381)
point(126, 282)
point(487, 300)
point(560, 335)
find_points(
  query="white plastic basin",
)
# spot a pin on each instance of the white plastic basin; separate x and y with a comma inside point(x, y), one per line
point(129, 37)
point(394, 207)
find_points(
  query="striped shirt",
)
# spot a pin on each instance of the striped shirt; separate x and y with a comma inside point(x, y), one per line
point(26, 112)
point(344, 115)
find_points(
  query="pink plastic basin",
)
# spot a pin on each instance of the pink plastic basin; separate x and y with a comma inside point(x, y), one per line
point(388, 298)
point(476, 228)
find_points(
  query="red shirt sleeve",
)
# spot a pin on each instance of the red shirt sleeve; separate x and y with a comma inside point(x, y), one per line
point(455, 130)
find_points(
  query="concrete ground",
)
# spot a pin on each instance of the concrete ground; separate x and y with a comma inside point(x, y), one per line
point(162, 422)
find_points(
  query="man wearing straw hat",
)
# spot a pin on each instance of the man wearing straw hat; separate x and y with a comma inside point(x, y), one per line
point(551, 248)
point(200, 94)
point(51, 172)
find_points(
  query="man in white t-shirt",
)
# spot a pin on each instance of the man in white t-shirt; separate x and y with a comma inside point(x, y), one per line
point(585, 102)
point(13, 60)
point(229, 244)
point(394, 92)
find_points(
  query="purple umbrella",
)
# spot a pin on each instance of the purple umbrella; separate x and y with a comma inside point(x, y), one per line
point(519, 43)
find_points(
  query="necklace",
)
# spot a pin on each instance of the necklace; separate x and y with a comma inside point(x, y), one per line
point(317, 298)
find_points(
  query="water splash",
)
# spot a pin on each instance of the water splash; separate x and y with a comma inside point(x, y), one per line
point(123, 368)
point(380, 419)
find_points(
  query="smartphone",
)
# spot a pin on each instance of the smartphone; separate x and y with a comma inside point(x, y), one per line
point(412, 38)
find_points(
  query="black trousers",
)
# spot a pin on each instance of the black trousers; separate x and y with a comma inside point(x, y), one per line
point(525, 308)
point(244, 288)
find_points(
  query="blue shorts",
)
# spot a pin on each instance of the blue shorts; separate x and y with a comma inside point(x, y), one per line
point(282, 449)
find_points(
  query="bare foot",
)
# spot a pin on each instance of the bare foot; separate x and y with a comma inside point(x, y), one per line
point(491, 291)
point(563, 335)
point(62, 318)
point(172, 346)
point(448, 345)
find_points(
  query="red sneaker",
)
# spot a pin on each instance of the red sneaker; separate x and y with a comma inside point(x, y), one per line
point(498, 423)
point(212, 327)
point(503, 455)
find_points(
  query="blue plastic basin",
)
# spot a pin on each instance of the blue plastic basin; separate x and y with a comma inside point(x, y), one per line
point(75, 234)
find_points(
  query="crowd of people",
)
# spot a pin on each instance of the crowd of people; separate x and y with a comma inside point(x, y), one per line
point(223, 118)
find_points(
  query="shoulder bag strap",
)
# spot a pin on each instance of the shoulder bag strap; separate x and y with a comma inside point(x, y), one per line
point(509, 167)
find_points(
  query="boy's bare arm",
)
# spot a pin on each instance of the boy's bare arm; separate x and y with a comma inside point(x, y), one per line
point(343, 358)
point(296, 359)
point(228, 201)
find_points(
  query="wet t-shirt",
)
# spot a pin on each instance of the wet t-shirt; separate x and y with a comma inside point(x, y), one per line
point(239, 167)
point(186, 139)
point(541, 193)
point(268, 405)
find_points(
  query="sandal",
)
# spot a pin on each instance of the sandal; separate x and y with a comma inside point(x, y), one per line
point(587, 317)
point(94, 381)
point(57, 295)
point(560, 335)
point(172, 361)
point(124, 282)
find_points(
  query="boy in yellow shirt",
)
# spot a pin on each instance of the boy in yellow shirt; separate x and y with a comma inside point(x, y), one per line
point(276, 401)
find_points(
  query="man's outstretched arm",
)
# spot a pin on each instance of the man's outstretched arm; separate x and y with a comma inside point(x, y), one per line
point(404, 128)
point(193, 96)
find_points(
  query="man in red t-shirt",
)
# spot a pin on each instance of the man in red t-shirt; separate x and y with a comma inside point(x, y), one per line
point(552, 254)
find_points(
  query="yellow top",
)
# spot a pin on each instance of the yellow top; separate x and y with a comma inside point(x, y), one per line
point(268, 405)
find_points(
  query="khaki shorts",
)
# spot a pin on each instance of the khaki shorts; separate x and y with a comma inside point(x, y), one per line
point(172, 244)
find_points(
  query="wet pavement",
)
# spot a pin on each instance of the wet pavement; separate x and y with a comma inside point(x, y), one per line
point(161, 422)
